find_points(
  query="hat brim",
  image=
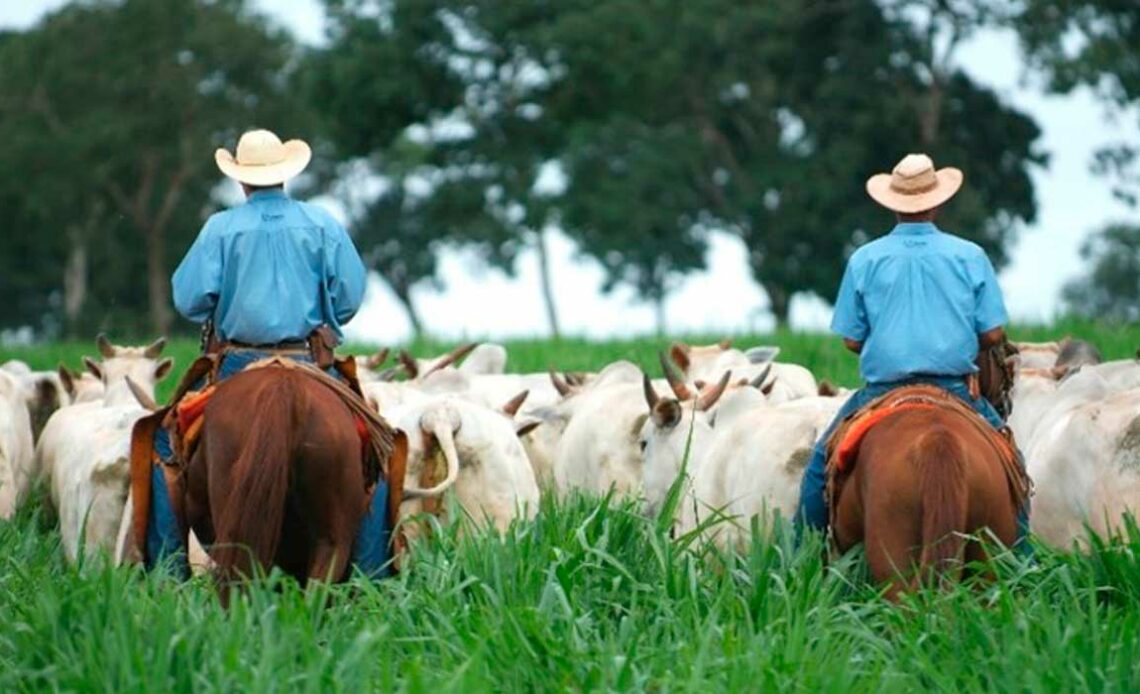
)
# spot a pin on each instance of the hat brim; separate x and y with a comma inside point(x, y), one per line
point(948, 182)
point(297, 157)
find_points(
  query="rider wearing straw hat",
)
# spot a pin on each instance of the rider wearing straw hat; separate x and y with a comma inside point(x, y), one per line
point(916, 305)
point(271, 271)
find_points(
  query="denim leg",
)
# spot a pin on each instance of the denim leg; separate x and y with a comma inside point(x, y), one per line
point(812, 512)
point(371, 551)
point(163, 534)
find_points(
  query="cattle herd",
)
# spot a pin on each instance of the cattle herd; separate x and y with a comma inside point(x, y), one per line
point(739, 424)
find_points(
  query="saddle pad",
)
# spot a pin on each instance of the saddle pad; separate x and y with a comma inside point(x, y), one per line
point(848, 448)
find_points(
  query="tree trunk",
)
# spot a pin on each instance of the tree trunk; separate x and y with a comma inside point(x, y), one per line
point(779, 301)
point(404, 293)
point(74, 280)
point(158, 283)
point(545, 281)
point(659, 313)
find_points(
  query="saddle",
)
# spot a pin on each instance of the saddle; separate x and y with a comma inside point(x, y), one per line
point(843, 446)
point(184, 416)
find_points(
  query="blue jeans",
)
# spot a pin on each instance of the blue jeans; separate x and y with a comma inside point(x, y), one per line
point(813, 512)
point(371, 551)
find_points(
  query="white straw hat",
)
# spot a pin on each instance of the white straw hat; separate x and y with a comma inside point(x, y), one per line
point(914, 186)
point(263, 160)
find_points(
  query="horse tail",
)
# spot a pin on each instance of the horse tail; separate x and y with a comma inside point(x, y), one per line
point(941, 460)
point(249, 525)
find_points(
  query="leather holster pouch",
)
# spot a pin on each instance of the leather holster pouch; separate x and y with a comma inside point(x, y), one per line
point(322, 346)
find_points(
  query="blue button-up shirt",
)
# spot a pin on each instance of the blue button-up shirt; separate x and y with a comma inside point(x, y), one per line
point(270, 270)
point(918, 299)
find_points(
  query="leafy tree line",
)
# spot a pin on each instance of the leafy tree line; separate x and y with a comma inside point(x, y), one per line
point(664, 119)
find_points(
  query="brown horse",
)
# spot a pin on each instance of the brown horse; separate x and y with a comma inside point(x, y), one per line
point(922, 481)
point(277, 478)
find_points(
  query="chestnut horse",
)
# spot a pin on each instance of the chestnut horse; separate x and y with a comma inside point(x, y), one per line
point(922, 481)
point(277, 478)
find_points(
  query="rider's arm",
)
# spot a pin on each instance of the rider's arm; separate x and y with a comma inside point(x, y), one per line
point(346, 278)
point(197, 281)
point(850, 318)
point(989, 308)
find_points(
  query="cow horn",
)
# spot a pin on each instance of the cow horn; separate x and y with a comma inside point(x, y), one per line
point(376, 360)
point(725, 344)
point(512, 407)
point(155, 348)
point(409, 363)
point(827, 389)
point(560, 385)
point(758, 382)
point(676, 383)
point(452, 357)
point(105, 347)
point(707, 400)
point(651, 396)
point(679, 353)
point(388, 374)
point(145, 399)
point(445, 436)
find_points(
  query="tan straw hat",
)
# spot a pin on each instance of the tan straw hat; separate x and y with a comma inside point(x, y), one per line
point(263, 160)
point(914, 185)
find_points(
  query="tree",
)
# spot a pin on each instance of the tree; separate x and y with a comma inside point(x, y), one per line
point(1111, 288)
point(118, 107)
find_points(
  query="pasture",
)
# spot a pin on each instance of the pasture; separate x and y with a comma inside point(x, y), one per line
point(590, 595)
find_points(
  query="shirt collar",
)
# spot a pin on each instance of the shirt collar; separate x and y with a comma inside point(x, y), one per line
point(270, 194)
point(914, 229)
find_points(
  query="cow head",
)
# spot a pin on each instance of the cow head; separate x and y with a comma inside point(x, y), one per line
point(141, 364)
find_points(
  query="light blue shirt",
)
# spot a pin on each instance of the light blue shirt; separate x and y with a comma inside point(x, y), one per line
point(918, 299)
point(270, 270)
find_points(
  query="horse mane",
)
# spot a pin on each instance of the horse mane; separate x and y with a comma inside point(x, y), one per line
point(254, 508)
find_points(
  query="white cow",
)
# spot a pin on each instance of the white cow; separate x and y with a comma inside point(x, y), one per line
point(43, 392)
point(16, 447)
point(745, 460)
point(1081, 440)
point(477, 452)
point(85, 449)
point(707, 363)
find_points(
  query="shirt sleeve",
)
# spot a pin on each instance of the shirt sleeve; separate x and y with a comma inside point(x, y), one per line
point(197, 281)
point(989, 307)
point(850, 319)
point(346, 278)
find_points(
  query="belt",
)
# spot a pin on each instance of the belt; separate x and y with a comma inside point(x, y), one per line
point(285, 346)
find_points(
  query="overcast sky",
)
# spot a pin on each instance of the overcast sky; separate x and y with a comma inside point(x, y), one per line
point(482, 302)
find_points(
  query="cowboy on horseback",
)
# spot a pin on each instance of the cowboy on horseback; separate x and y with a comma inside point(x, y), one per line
point(916, 305)
point(271, 277)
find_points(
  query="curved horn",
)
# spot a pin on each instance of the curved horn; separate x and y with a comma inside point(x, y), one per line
point(155, 348)
point(451, 357)
point(411, 368)
point(709, 399)
point(105, 347)
point(377, 360)
point(725, 344)
point(446, 439)
point(651, 396)
point(560, 385)
point(676, 383)
point(388, 374)
point(758, 382)
point(145, 399)
point(512, 407)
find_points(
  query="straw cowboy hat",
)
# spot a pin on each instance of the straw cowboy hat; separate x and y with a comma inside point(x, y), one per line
point(263, 160)
point(914, 186)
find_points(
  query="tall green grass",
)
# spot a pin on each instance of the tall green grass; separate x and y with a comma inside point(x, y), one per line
point(589, 595)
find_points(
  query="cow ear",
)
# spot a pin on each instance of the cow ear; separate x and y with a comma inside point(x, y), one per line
point(525, 425)
point(827, 389)
point(667, 413)
point(163, 368)
point(93, 367)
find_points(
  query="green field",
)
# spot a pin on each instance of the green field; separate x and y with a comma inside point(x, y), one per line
point(590, 595)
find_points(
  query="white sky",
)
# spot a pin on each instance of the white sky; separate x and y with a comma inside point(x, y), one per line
point(478, 301)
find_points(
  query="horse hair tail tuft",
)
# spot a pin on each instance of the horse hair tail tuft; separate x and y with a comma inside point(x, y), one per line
point(941, 461)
